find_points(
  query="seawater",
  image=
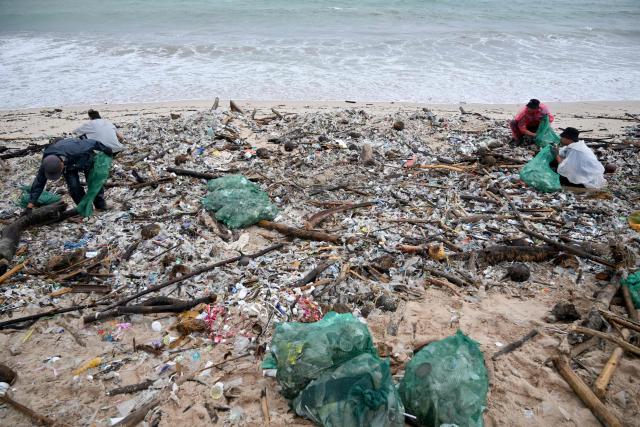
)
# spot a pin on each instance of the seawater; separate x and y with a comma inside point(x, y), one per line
point(55, 52)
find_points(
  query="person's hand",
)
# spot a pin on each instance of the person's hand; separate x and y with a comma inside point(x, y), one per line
point(28, 209)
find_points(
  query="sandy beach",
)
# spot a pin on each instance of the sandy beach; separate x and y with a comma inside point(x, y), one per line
point(525, 389)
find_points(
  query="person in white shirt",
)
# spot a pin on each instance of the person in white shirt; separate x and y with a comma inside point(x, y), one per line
point(577, 164)
point(101, 130)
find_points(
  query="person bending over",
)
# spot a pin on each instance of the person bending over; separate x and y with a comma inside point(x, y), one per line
point(101, 130)
point(577, 164)
point(526, 122)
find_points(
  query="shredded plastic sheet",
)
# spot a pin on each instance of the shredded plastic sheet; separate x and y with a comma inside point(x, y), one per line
point(95, 181)
point(46, 198)
point(238, 202)
point(545, 134)
point(538, 174)
point(633, 283)
point(447, 383)
point(358, 393)
point(305, 351)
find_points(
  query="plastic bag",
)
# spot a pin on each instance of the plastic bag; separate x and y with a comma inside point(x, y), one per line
point(305, 351)
point(98, 176)
point(358, 393)
point(446, 383)
point(46, 198)
point(545, 134)
point(633, 283)
point(581, 166)
point(238, 202)
point(537, 173)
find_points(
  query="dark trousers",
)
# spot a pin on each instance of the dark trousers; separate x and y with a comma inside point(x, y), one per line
point(563, 180)
point(515, 130)
point(77, 192)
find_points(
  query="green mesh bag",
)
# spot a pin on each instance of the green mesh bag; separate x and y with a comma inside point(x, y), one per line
point(446, 383)
point(238, 202)
point(633, 283)
point(545, 134)
point(98, 176)
point(538, 174)
point(46, 198)
point(358, 393)
point(305, 351)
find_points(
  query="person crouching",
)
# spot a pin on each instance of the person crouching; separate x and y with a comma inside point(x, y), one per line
point(577, 163)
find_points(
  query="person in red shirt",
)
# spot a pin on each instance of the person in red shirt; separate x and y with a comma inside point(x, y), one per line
point(527, 120)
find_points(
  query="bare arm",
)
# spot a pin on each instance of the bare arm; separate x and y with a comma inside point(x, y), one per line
point(120, 136)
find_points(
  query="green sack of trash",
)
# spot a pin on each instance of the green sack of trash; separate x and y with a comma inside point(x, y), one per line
point(238, 202)
point(358, 393)
point(305, 351)
point(538, 174)
point(632, 282)
point(98, 176)
point(446, 383)
point(46, 198)
point(545, 134)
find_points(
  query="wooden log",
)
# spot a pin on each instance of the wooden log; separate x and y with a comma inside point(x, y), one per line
point(584, 393)
point(312, 275)
point(32, 148)
point(149, 309)
point(274, 111)
point(11, 233)
point(443, 284)
point(48, 313)
point(568, 248)
point(35, 417)
point(366, 155)
point(299, 233)
point(622, 343)
point(501, 253)
point(151, 183)
point(600, 386)
point(628, 303)
point(594, 318)
point(235, 108)
point(453, 279)
point(317, 218)
point(514, 345)
point(131, 388)
point(215, 105)
point(627, 323)
point(187, 276)
point(194, 174)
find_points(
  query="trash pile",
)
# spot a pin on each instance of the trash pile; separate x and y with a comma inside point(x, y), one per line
point(225, 227)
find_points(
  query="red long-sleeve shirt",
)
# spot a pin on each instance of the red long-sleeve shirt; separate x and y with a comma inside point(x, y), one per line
point(525, 118)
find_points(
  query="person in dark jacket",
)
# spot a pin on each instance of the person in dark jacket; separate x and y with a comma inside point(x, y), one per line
point(68, 157)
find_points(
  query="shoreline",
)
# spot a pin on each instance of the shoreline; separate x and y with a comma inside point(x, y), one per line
point(601, 118)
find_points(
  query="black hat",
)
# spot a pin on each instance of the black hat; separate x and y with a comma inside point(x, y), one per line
point(533, 103)
point(93, 114)
point(570, 133)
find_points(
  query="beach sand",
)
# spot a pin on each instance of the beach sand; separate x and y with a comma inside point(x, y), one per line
point(524, 389)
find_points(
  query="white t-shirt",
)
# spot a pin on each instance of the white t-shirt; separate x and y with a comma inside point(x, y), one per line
point(101, 130)
point(581, 166)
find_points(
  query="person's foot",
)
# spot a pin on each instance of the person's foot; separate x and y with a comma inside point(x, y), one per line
point(102, 207)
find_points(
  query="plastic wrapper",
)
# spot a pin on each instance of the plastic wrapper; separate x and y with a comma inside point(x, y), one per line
point(46, 198)
point(237, 202)
point(446, 383)
point(538, 174)
point(97, 178)
point(305, 351)
point(358, 393)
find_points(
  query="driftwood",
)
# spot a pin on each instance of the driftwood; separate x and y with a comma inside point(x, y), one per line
point(453, 279)
point(32, 148)
point(478, 199)
point(601, 383)
point(215, 105)
point(151, 183)
point(131, 388)
point(443, 284)
point(11, 233)
point(187, 276)
point(628, 303)
point(584, 393)
point(193, 174)
point(611, 338)
point(602, 302)
point(317, 218)
point(501, 253)
point(622, 321)
point(312, 275)
point(235, 108)
point(568, 248)
point(366, 155)
point(17, 320)
point(264, 405)
point(178, 307)
point(6, 276)
point(514, 345)
point(36, 418)
point(299, 233)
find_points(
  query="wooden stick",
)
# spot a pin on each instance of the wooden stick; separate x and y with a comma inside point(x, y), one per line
point(131, 388)
point(37, 418)
point(215, 104)
point(600, 386)
point(32, 148)
point(190, 275)
point(449, 277)
point(151, 183)
point(235, 108)
point(447, 167)
point(622, 343)
point(317, 218)
point(312, 275)
point(627, 323)
point(13, 271)
point(628, 303)
point(568, 248)
point(299, 233)
point(264, 404)
point(193, 174)
point(443, 284)
point(584, 393)
point(45, 314)
point(514, 345)
point(146, 309)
